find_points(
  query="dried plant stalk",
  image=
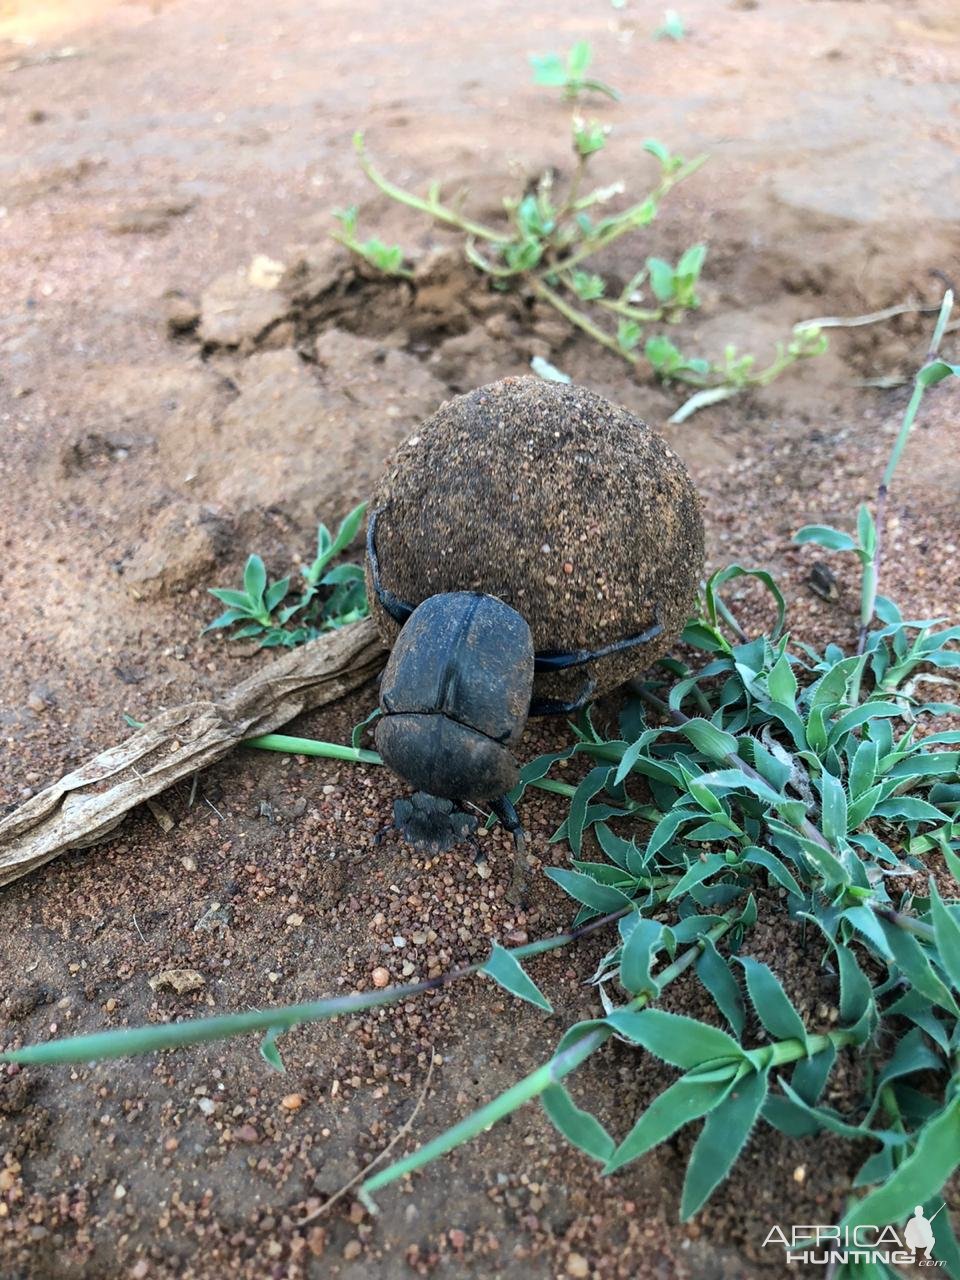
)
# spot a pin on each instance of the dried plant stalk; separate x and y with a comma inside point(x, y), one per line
point(83, 807)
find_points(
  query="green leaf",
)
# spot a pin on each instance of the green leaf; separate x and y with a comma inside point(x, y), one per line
point(577, 1126)
point(661, 279)
point(225, 619)
point(834, 808)
point(254, 579)
point(824, 536)
point(686, 1100)
point(601, 897)
point(276, 593)
point(936, 371)
point(921, 1175)
point(698, 872)
point(723, 1137)
point(908, 809)
point(912, 960)
point(639, 952)
point(763, 858)
point(269, 1051)
point(578, 59)
point(770, 1001)
point(782, 683)
point(236, 599)
point(681, 1041)
point(506, 970)
point(947, 932)
point(714, 972)
point(708, 739)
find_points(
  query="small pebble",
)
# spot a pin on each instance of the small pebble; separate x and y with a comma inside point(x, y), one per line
point(352, 1249)
point(292, 1102)
point(577, 1265)
point(381, 977)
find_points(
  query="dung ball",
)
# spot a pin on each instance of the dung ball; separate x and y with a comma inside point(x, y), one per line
point(563, 505)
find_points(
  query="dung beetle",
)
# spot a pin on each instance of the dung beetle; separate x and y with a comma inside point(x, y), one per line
point(457, 691)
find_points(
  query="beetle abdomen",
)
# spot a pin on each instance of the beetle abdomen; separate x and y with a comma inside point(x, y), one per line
point(445, 758)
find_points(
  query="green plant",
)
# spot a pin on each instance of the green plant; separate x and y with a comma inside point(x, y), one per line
point(330, 597)
point(570, 73)
point(798, 787)
point(671, 28)
point(388, 258)
point(544, 248)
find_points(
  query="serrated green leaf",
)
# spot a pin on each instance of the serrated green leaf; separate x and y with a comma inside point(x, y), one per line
point(708, 739)
point(770, 1001)
point(763, 858)
point(681, 1041)
point(914, 963)
point(505, 969)
point(782, 683)
point(686, 1100)
point(638, 955)
point(699, 871)
point(601, 897)
point(714, 972)
point(947, 932)
point(722, 1138)
point(833, 813)
point(919, 1176)
point(579, 1127)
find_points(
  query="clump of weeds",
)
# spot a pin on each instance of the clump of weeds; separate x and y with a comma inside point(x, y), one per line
point(766, 779)
point(278, 615)
point(545, 249)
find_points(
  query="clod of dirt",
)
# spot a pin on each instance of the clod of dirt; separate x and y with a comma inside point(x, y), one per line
point(181, 313)
point(327, 440)
point(237, 311)
point(591, 527)
point(180, 981)
point(183, 545)
point(149, 218)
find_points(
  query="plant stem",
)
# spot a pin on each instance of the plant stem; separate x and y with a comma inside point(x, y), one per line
point(432, 207)
point(533, 1085)
point(580, 320)
point(871, 573)
point(312, 747)
point(117, 1044)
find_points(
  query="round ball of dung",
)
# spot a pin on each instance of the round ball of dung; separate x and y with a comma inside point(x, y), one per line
point(563, 505)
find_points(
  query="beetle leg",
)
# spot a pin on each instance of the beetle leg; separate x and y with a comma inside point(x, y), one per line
point(508, 816)
point(551, 707)
point(555, 661)
point(398, 609)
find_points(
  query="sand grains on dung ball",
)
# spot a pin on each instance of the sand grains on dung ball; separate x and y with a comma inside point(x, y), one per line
point(565, 506)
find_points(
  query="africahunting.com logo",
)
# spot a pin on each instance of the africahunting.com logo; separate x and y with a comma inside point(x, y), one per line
point(835, 1245)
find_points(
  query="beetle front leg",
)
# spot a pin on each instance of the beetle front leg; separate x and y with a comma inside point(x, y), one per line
point(507, 814)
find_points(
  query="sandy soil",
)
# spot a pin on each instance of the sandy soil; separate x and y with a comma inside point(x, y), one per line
point(150, 148)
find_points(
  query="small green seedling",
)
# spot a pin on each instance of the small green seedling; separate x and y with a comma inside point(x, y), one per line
point(671, 28)
point(388, 258)
point(570, 73)
point(330, 597)
point(676, 287)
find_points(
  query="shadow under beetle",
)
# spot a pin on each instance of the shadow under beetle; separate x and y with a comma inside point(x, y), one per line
point(456, 694)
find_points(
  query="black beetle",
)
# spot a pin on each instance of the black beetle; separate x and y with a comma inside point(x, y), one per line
point(456, 694)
